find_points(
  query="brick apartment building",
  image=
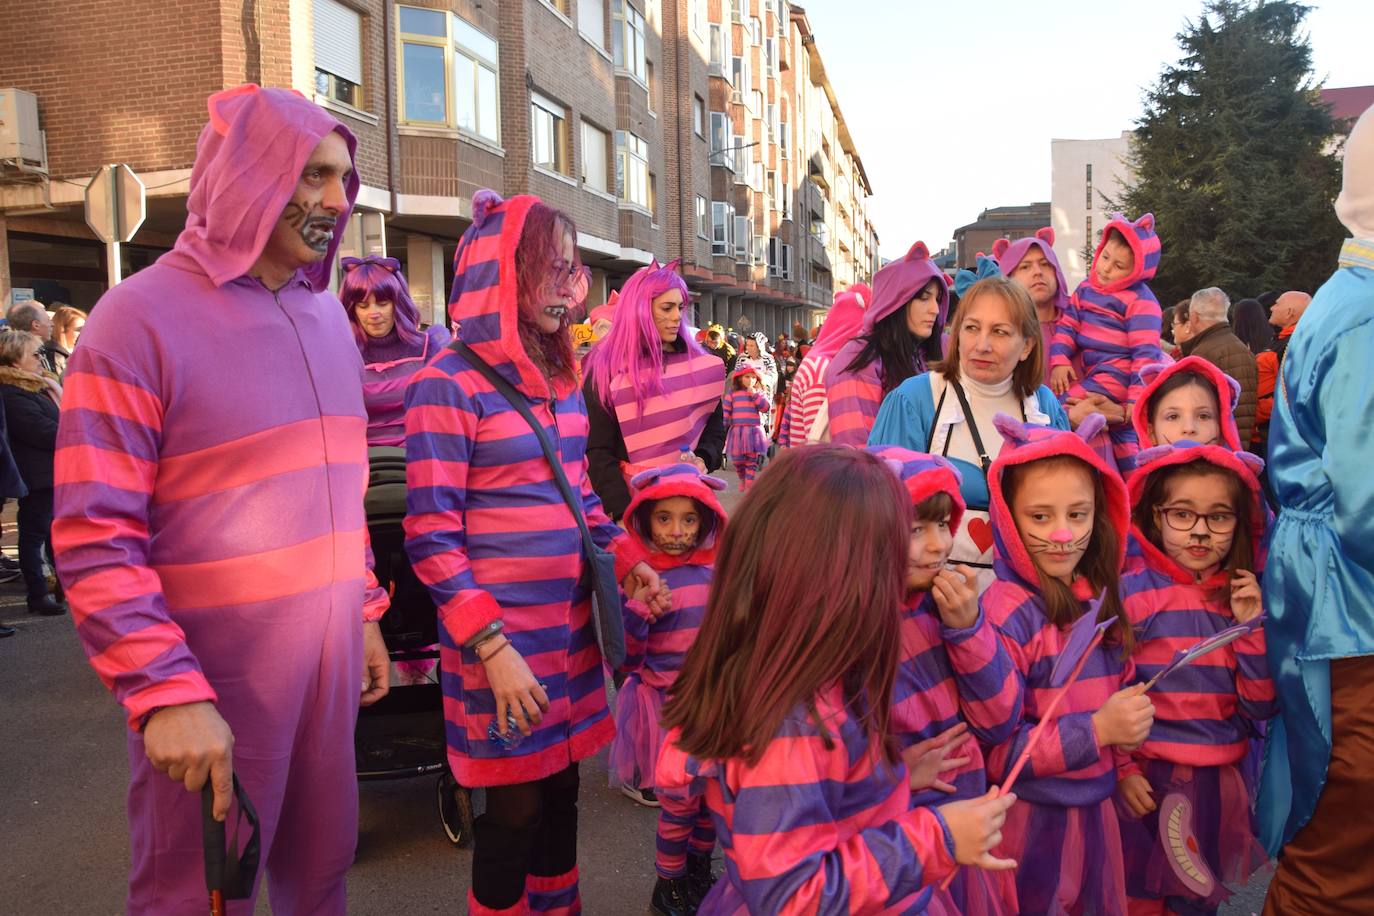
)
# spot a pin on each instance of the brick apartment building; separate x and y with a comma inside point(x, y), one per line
point(1016, 222)
point(704, 130)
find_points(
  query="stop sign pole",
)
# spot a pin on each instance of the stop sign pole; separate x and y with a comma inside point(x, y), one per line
point(116, 205)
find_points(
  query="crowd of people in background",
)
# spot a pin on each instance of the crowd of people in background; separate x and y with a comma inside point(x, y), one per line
point(945, 655)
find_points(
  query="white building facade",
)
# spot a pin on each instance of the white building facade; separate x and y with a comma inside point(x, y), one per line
point(1085, 175)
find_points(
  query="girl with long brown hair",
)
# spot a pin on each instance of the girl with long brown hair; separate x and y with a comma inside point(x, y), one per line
point(781, 714)
point(1059, 514)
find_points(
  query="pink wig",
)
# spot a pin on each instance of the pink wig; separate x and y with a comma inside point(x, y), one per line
point(633, 346)
point(380, 277)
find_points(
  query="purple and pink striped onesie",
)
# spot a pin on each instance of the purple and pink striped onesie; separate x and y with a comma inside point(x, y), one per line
point(1108, 334)
point(744, 443)
point(209, 524)
point(654, 655)
point(1205, 714)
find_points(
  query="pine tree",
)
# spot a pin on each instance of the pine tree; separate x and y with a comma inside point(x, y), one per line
point(1233, 155)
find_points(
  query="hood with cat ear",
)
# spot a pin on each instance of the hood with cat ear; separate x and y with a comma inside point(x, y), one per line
point(1145, 247)
point(923, 476)
point(1227, 390)
point(678, 480)
point(1027, 443)
point(1161, 458)
point(1009, 254)
point(898, 282)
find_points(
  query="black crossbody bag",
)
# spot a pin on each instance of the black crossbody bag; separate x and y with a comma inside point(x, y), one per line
point(606, 613)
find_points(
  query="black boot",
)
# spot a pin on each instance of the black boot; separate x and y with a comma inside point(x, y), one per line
point(47, 605)
point(673, 897)
point(700, 876)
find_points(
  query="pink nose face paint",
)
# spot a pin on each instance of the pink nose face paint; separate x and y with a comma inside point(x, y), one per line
point(1062, 536)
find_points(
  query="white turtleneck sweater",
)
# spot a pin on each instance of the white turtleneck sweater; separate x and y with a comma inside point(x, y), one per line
point(986, 402)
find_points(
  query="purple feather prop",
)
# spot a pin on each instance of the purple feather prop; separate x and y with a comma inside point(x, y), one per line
point(1186, 657)
point(1082, 635)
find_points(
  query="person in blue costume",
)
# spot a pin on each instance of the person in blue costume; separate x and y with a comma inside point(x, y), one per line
point(995, 364)
point(1317, 791)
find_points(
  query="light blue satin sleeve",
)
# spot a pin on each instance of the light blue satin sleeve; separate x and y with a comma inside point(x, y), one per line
point(905, 416)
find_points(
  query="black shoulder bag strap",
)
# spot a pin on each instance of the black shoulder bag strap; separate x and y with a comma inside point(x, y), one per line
point(606, 616)
point(972, 427)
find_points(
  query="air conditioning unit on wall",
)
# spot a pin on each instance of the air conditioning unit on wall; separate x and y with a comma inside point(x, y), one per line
point(22, 145)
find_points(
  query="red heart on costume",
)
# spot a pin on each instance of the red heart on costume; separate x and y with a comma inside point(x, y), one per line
point(980, 533)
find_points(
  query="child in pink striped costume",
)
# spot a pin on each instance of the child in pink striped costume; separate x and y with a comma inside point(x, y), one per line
point(1058, 515)
point(806, 404)
point(676, 517)
point(1199, 520)
point(956, 689)
point(745, 407)
point(900, 338)
point(1110, 330)
point(781, 715)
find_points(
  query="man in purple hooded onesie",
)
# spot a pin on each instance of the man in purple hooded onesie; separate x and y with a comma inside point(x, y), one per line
point(209, 518)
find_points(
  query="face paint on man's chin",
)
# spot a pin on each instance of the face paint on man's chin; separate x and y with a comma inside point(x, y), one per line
point(316, 230)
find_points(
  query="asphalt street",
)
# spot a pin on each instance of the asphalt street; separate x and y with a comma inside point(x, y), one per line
point(63, 834)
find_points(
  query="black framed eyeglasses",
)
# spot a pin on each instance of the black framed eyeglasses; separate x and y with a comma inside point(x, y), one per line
point(1181, 519)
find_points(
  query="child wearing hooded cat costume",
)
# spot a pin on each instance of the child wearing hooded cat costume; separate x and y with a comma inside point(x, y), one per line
point(956, 690)
point(746, 406)
point(1186, 825)
point(1110, 330)
point(1060, 513)
point(676, 517)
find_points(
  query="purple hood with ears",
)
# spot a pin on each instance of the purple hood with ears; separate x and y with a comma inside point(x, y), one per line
point(249, 161)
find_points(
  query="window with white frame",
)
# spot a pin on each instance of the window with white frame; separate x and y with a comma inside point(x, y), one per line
point(722, 229)
point(756, 102)
point(435, 44)
point(338, 52)
point(744, 239)
point(652, 84)
point(779, 259)
point(740, 156)
point(736, 10)
point(720, 139)
point(756, 177)
point(548, 133)
point(703, 217)
point(699, 116)
point(653, 195)
point(424, 52)
point(760, 249)
point(770, 57)
point(591, 20)
point(755, 30)
point(698, 16)
point(475, 66)
point(595, 143)
point(627, 38)
point(631, 169)
point(784, 139)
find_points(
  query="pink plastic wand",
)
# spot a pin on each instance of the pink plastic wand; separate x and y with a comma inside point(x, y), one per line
point(1039, 730)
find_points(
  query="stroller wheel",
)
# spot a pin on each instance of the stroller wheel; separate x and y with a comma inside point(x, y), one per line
point(455, 810)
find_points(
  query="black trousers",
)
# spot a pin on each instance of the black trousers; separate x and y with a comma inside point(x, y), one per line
point(527, 829)
point(35, 536)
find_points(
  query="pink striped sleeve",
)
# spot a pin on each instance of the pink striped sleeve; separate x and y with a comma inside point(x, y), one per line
point(853, 399)
point(1143, 322)
point(1064, 345)
point(104, 470)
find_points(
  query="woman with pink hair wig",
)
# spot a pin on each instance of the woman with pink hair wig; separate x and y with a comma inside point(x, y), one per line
point(653, 393)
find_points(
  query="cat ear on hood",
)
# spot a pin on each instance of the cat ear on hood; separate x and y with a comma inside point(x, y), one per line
point(645, 478)
point(221, 113)
point(1146, 222)
point(1013, 431)
point(1092, 424)
point(918, 252)
point(893, 465)
point(1000, 247)
point(1046, 235)
point(1151, 372)
point(1235, 391)
point(673, 265)
point(483, 202)
point(1153, 453)
point(942, 462)
point(714, 483)
point(1252, 461)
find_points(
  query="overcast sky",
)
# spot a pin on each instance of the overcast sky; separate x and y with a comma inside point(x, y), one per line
point(953, 104)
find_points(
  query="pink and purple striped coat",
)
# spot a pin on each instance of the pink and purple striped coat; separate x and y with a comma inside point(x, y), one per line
point(1202, 712)
point(819, 825)
point(664, 425)
point(487, 530)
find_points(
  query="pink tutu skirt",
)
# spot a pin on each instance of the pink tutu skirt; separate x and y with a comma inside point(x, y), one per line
point(1068, 860)
point(638, 734)
point(973, 892)
point(1218, 830)
point(745, 442)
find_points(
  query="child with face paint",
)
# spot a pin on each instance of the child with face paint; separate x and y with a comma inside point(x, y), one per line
point(956, 689)
point(1191, 400)
point(1059, 514)
point(1199, 520)
point(745, 407)
point(675, 516)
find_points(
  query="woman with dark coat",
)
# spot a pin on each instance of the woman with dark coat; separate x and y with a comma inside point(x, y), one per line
point(31, 397)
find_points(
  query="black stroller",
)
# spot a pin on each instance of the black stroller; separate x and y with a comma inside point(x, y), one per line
point(402, 735)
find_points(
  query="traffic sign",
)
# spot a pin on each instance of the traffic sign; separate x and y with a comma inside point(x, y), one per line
point(116, 203)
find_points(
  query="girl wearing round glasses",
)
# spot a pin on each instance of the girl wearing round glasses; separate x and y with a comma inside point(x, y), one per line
point(1186, 825)
point(386, 325)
